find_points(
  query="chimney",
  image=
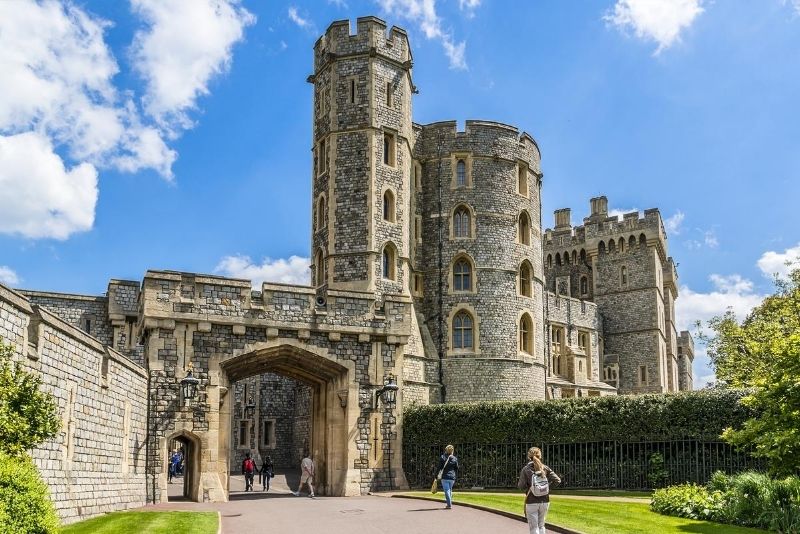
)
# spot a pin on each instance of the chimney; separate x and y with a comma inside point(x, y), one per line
point(599, 207)
point(563, 220)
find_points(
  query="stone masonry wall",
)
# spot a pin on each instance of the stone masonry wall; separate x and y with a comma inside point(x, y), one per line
point(96, 463)
point(76, 310)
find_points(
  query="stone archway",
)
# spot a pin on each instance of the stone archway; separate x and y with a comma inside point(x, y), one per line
point(191, 474)
point(334, 408)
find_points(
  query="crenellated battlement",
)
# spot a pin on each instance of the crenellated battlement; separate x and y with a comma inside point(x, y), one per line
point(480, 138)
point(371, 38)
point(600, 227)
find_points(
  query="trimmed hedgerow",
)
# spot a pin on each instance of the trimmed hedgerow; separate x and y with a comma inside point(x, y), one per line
point(701, 415)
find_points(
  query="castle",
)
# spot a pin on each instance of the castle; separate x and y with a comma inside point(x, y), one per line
point(430, 270)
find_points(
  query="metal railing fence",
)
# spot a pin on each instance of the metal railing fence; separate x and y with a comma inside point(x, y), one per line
point(597, 464)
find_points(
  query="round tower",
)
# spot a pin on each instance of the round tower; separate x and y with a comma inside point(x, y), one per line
point(481, 205)
point(362, 129)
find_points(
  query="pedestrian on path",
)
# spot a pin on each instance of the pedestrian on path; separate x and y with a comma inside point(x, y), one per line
point(249, 471)
point(174, 462)
point(448, 467)
point(306, 475)
point(266, 473)
point(535, 479)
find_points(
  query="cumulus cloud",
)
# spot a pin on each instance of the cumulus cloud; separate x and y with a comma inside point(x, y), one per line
point(774, 263)
point(39, 196)
point(8, 276)
point(184, 45)
point(661, 21)
point(469, 6)
point(59, 102)
point(423, 13)
point(294, 270)
point(729, 291)
point(673, 224)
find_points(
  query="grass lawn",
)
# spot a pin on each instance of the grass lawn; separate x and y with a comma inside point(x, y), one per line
point(147, 523)
point(599, 517)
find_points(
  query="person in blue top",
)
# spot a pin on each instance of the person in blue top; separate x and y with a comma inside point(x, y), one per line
point(448, 467)
point(174, 461)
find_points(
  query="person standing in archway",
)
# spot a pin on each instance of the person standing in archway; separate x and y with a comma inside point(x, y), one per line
point(249, 471)
point(306, 475)
point(266, 473)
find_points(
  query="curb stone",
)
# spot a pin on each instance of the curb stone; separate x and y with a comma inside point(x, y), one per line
point(554, 528)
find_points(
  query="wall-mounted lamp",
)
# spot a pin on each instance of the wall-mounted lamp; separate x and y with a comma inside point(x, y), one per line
point(189, 385)
point(388, 393)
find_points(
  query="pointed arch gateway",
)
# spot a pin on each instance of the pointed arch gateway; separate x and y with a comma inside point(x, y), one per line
point(332, 425)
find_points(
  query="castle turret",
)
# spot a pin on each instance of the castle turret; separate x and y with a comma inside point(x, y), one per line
point(361, 144)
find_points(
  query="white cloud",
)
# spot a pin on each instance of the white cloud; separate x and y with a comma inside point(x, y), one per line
point(342, 4)
point(39, 196)
point(772, 263)
point(673, 224)
point(295, 17)
point(708, 238)
point(657, 20)
point(8, 276)
point(423, 13)
point(294, 270)
point(618, 213)
point(469, 6)
point(183, 47)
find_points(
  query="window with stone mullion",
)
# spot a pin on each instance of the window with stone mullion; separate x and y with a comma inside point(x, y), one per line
point(462, 276)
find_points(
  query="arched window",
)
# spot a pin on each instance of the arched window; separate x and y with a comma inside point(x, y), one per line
point(631, 242)
point(574, 257)
point(601, 248)
point(526, 334)
point(583, 256)
point(461, 173)
point(549, 261)
point(623, 275)
point(322, 212)
point(584, 285)
point(319, 269)
point(525, 275)
point(558, 259)
point(522, 181)
point(612, 246)
point(462, 224)
point(462, 275)
point(622, 244)
point(389, 261)
point(642, 240)
point(566, 258)
point(524, 230)
point(388, 206)
point(462, 331)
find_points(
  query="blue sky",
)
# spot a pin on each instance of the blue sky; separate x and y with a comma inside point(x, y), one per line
point(176, 135)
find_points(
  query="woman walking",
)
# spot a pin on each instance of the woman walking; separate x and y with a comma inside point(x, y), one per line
point(266, 473)
point(535, 479)
point(448, 467)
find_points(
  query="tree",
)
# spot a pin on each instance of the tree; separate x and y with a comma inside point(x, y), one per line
point(28, 415)
point(763, 354)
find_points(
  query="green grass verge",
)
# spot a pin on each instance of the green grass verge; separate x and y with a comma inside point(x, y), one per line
point(606, 493)
point(599, 517)
point(147, 523)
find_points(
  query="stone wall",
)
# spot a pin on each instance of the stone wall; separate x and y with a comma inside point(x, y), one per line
point(86, 313)
point(96, 463)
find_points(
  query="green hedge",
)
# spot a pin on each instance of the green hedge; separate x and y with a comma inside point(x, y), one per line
point(25, 506)
point(747, 499)
point(691, 415)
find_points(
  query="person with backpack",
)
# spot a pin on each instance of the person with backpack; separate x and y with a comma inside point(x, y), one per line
point(249, 471)
point(448, 468)
point(535, 479)
point(266, 473)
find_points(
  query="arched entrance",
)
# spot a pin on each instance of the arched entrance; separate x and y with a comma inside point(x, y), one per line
point(334, 409)
point(184, 484)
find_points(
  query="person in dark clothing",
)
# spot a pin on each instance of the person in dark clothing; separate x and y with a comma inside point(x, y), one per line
point(535, 478)
point(266, 473)
point(249, 471)
point(448, 468)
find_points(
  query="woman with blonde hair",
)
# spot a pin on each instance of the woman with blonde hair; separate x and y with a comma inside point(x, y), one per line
point(535, 479)
point(448, 467)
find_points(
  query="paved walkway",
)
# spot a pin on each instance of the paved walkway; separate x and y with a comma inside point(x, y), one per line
point(258, 512)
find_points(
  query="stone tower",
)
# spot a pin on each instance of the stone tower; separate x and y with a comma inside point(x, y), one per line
point(624, 267)
point(361, 166)
point(480, 189)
